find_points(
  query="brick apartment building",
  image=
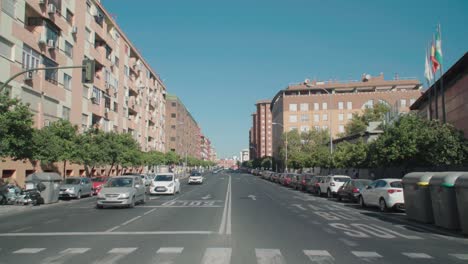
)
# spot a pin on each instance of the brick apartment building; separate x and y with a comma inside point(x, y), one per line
point(330, 105)
point(261, 135)
point(455, 82)
point(127, 94)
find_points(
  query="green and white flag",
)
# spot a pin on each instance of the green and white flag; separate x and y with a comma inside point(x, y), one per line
point(438, 46)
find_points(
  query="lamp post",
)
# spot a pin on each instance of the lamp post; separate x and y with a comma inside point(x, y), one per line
point(286, 145)
point(185, 163)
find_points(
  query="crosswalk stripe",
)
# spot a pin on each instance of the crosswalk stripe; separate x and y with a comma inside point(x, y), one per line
point(217, 256)
point(269, 256)
point(64, 256)
point(319, 256)
point(167, 255)
point(366, 254)
point(28, 251)
point(416, 255)
point(114, 255)
point(460, 256)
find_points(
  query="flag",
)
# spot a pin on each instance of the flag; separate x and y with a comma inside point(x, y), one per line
point(438, 46)
point(435, 63)
point(427, 70)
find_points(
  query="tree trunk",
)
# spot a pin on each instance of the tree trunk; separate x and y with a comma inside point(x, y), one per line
point(117, 169)
point(112, 165)
point(64, 168)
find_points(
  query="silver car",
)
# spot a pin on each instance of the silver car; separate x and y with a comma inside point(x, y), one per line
point(123, 191)
point(76, 187)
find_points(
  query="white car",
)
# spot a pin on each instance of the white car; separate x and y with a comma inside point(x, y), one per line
point(195, 177)
point(330, 184)
point(164, 183)
point(384, 193)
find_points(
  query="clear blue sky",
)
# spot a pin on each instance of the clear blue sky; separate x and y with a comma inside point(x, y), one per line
point(220, 57)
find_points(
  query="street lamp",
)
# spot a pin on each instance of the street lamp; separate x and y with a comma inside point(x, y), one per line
point(286, 145)
point(185, 163)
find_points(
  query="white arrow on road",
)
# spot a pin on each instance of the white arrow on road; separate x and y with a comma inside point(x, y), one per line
point(206, 197)
point(252, 197)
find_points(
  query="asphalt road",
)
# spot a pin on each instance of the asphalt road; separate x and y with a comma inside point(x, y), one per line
point(231, 218)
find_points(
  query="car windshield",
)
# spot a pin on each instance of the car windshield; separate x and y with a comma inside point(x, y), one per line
point(163, 178)
point(195, 174)
point(98, 179)
point(396, 184)
point(340, 179)
point(120, 182)
point(72, 181)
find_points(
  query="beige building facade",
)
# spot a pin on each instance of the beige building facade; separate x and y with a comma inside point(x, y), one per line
point(127, 94)
point(261, 145)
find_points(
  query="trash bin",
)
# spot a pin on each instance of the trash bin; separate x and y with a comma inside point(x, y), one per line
point(51, 181)
point(444, 202)
point(418, 204)
point(461, 190)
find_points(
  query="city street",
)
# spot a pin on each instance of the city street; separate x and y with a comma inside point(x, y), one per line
point(230, 218)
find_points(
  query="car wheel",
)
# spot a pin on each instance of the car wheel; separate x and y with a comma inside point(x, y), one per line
point(132, 203)
point(329, 193)
point(361, 201)
point(78, 196)
point(383, 205)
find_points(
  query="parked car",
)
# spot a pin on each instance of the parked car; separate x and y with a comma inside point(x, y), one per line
point(125, 191)
point(98, 182)
point(76, 187)
point(302, 181)
point(330, 184)
point(274, 177)
point(313, 186)
point(165, 183)
point(195, 177)
point(286, 180)
point(351, 190)
point(385, 193)
point(295, 180)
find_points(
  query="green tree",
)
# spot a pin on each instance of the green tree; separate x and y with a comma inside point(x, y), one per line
point(360, 122)
point(351, 155)
point(16, 129)
point(171, 158)
point(266, 162)
point(90, 151)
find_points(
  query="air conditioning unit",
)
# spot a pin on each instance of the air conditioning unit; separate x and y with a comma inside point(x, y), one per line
point(42, 39)
point(51, 9)
point(74, 30)
point(51, 44)
point(28, 76)
point(107, 110)
point(94, 100)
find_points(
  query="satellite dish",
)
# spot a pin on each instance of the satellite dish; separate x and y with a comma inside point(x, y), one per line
point(368, 76)
point(306, 81)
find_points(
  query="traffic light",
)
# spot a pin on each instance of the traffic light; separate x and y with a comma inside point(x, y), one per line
point(88, 71)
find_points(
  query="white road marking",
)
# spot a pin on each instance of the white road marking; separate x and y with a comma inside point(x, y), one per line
point(329, 231)
point(106, 233)
point(206, 197)
point(417, 255)
point(150, 211)
point(167, 255)
point(366, 254)
point(181, 206)
point(155, 198)
point(226, 211)
point(22, 229)
point(217, 256)
point(52, 221)
point(299, 206)
point(319, 256)
point(460, 256)
point(252, 197)
point(313, 207)
point(114, 255)
point(64, 256)
point(269, 256)
point(170, 250)
point(131, 220)
point(348, 242)
point(113, 228)
point(28, 251)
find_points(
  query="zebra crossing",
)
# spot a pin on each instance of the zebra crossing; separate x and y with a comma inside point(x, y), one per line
point(215, 255)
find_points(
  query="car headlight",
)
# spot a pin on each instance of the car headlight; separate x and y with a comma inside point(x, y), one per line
point(170, 184)
point(124, 195)
point(71, 190)
point(101, 195)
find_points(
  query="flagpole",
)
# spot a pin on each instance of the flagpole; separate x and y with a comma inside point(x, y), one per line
point(442, 82)
point(435, 88)
point(429, 90)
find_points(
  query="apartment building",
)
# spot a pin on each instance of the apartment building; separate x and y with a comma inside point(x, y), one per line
point(127, 94)
point(330, 105)
point(205, 148)
point(182, 131)
point(262, 130)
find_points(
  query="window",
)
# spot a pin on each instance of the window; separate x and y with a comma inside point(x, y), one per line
point(6, 48)
point(304, 118)
point(341, 117)
point(324, 117)
point(117, 61)
point(340, 105)
point(316, 118)
point(292, 118)
point(68, 49)
point(88, 35)
point(292, 128)
point(31, 58)
point(85, 92)
point(99, 18)
point(325, 127)
point(304, 107)
point(304, 128)
point(403, 102)
point(96, 95)
point(324, 106)
point(174, 104)
point(66, 113)
point(50, 75)
point(116, 107)
point(107, 101)
point(173, 127)
point(67, 81)
point(173, 115)
point(317, 128)
point(349, 116)
point(412, 101)
point(349, 105)
point(368, 104)
point(341, 128)
point(69, 17)
point(316, 106)
point(126, 70)
point(293, 107)
point(52, 32)
point(8, 6)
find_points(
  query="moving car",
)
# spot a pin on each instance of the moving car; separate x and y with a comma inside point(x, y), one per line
point(330, 184)
point(124, 191)
point(98, 182)
point(76, 187)
point(351, 190)
point(195, 177)
point(165, 183)
point(385, 193)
